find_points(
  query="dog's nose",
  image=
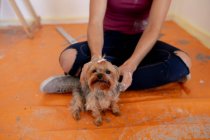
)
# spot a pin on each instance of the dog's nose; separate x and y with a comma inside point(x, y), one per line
point(99, 75)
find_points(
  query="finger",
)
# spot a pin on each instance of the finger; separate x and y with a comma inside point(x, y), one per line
point(121, 87)
point(126, 81)
point(126, 78)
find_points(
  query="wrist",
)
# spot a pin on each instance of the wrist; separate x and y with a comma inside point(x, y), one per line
point(95, 57)
point(131, 65)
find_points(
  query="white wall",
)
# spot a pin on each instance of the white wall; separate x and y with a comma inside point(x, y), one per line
point(171, 11)
point(187, 13)
point(194, 17)
point(196, 12)
point(51, 11)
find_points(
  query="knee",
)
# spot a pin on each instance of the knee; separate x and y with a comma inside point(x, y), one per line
point(185, 58)
point(67, 59)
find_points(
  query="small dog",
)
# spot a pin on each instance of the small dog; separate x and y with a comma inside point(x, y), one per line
point(100, 92)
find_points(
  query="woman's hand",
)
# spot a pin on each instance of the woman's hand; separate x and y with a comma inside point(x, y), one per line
point(126, 71)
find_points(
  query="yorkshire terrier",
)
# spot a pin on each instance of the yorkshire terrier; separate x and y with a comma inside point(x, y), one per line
point(100, 91)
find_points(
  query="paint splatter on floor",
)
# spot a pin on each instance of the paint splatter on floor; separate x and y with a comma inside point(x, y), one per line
point(202, 57)
point(183, 42)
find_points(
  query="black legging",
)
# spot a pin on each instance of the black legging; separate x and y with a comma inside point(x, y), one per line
point(160, 66)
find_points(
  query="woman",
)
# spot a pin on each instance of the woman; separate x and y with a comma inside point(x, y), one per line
point(126, 31)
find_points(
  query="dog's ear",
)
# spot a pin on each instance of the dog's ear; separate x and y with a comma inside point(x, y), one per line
point(83, 75)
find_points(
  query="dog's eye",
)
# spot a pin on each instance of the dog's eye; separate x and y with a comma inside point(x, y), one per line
point(93, 71)
point(108, 71)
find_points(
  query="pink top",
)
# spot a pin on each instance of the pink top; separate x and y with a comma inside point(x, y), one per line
point(127, 16)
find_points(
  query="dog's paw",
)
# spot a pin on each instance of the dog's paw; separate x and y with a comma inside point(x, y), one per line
point(76, 115)
point(98, 121)
point(82, 109)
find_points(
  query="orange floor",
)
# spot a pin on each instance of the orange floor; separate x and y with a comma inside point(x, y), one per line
point(173, 111)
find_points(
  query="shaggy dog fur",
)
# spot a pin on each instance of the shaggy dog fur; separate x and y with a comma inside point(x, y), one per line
point(99, 93)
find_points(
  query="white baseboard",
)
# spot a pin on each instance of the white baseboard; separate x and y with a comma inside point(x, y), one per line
point(169, 17)
point(45, 20)
point(67, 20)
point(195, 31)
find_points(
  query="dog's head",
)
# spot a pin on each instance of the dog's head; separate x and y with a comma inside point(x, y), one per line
point(102, 75)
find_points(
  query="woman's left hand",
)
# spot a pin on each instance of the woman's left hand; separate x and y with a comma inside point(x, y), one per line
point(126, 71)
